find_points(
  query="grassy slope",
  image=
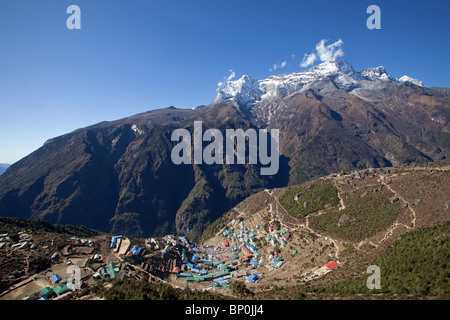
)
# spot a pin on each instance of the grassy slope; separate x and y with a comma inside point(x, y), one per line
point(316, 195)
point(368, 216)
point(415, 266)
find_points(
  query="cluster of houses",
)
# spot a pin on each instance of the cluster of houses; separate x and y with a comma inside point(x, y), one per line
point(242, 250)
point(62, 287)
point(109, 271)
point(245, 249)
point(202, 266)
point(239, 256)
point(24, 241)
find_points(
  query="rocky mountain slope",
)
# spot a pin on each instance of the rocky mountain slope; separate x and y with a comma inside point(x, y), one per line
point(319, 233)
point(118, 176)
point(356, 219)
point(331, 117)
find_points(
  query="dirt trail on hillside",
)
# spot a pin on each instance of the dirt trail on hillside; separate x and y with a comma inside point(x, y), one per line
point(314, 248)
point(301, 226)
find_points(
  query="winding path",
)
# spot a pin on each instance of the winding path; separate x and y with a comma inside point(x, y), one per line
point(300, 225)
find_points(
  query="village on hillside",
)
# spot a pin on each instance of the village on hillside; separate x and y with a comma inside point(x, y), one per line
point(246, 252)
point(260, 243)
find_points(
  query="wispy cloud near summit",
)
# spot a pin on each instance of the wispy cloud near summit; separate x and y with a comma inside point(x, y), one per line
point(230, 77)
point(281, 66)
point(323, 53)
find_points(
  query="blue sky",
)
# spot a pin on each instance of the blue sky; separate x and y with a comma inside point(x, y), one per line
point(137, 55)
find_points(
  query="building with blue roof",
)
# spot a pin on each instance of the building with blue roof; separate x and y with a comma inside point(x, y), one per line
point(55, 278)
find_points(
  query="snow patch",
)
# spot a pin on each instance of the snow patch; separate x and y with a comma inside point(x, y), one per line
point(137, 130)
point(405, 78)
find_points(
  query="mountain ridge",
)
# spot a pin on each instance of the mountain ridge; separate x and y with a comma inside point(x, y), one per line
point(248, 91)
point(118, 176)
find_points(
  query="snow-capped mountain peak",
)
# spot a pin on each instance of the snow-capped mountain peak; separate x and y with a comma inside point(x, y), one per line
point(332, 67)
point(377, 73)
point(412, 80)
point(247, 91)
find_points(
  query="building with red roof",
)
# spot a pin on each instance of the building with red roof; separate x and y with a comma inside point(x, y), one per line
point(331, 265)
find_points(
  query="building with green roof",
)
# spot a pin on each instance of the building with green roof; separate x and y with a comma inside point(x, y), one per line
point(112, 270)
point(61, 289)
point(46, 292)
